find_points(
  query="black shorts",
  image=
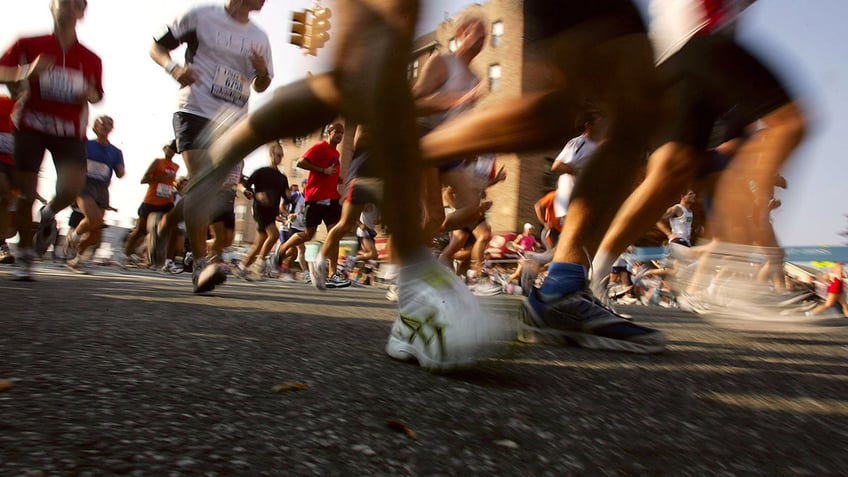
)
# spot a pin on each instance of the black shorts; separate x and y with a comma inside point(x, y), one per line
point(146, 209)
point(191, 131)
point(316, 213)
point(98, 191)
point(226, 214)
point(709, 77)
point(8, 171)
point(264, 216)
point(364, 190)
point(30, 147)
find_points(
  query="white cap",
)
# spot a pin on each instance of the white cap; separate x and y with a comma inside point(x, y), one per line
point(528, 225)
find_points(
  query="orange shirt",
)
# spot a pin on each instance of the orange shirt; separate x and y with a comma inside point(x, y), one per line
point(161, 193)
point(547, 203)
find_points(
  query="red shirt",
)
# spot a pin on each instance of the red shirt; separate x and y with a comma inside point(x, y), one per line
point(7, 140)
point(322, 186)
point(52, 104)
point(835, 286)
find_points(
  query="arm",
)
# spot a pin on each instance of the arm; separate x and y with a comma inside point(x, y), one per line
point(120, 168)
point(499, 177)
point(662, 224)
point(263, 74)
point(559, 167)
point(303, 163)
point(169, 39)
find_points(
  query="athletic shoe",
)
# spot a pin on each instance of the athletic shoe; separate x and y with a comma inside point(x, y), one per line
point(6, 257)
point(23, 271)
point(318, 270)
point(171, 267)
point(46, 233)
point(207, 275)
point(78, 265)
point(580, 318)
point(307, 277)
point(440, 323)
point(70, 247)
point(486, 288)
point(336, 281)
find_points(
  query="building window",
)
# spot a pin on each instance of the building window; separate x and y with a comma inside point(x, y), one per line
point(452, 45)
point(494, 76)
point(412, 72)
point(497, 33)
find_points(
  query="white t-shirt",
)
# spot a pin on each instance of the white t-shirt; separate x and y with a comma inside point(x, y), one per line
point(576, 153)
point(218, 51)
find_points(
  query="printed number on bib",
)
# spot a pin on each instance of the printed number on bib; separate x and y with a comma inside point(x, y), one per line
point(231, 86)
point(99, 171)
point(164, 191)
point(62, 85)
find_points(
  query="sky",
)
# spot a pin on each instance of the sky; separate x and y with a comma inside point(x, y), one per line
point(802, 40)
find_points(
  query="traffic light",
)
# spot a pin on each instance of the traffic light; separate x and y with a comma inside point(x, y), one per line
point(320, 31)
point(300, 28)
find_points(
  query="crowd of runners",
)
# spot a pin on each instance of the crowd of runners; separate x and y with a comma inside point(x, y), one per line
point(711, 118)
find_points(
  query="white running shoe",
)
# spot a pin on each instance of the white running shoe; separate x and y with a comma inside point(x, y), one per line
point(337, 281)
point(318, 270)
point(440, 323)
point(207, 275)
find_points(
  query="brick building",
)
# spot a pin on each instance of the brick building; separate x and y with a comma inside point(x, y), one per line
point(504, 69)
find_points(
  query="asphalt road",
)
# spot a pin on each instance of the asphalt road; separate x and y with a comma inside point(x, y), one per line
point(132, 374)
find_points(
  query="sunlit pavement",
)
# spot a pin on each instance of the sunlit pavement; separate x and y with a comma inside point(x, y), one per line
point(130, 373)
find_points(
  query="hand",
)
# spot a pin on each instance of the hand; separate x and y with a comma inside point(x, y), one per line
point(329, 170)
point(90, 95)
point(258, 62)
point(184, 75)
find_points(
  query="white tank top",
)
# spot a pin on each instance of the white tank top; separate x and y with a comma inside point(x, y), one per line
point(682, 225)
point(460, 80)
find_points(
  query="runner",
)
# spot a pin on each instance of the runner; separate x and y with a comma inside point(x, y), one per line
point(160, 178)
point(227, 56)
point(53, 116)
point(267, 187)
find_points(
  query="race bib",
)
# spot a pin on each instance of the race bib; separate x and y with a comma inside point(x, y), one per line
point(99, 171)
point(7, 143)
point(230, 86)
point(61, 85)
point(164, 191)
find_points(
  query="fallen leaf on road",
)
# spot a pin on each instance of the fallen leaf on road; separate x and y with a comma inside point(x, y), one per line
point(286, 387)
point(401, 427)
point(6, 385)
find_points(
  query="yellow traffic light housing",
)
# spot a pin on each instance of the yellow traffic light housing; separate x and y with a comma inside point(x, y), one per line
point(310, 29)
point(300, 28)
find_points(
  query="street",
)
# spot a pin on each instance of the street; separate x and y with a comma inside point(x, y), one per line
point(128, 372)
